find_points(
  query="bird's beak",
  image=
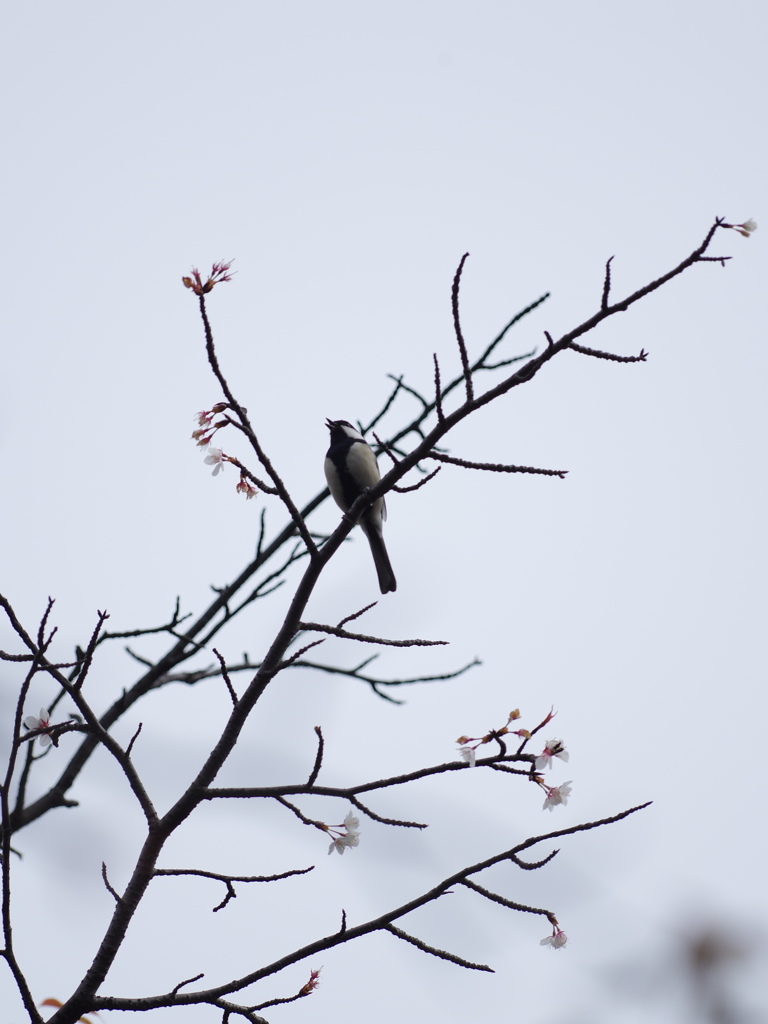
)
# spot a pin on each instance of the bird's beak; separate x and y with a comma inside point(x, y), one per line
point(330, 424)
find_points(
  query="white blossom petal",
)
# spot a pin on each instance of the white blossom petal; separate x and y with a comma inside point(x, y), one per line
point(557, 795)
point(215, 458)
point(556, 940)
point(469, 755)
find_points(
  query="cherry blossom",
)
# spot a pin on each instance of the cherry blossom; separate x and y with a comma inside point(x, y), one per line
point(215, 458)
point(556, 795)
point(746, 228)
point(552, 748)
point(41, 721)
point(246, 487)
point(351, 837)
point(556, 940)
point(469, 755)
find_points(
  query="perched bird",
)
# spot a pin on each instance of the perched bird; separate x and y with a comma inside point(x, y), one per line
point(351, 468)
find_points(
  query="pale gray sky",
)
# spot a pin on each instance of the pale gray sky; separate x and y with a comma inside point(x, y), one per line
point(346, 155)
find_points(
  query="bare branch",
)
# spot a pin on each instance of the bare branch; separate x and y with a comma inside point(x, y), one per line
point(356, 673)
point(318, 757)
point(398, 822)
point(457, 327)
point(534, 865)
point(348, 792)
point(495, 467)
point(188, 981)
point(609, 355)
point(135, 736)
point(510, 904)
point(287, 662)
point(387, 405)
point(107, 886)
point(176, 620)
point(481, 364)
point(606, 283)
point(302, 817)
point(356, 615)
point(441, 953)
point(225, 677)
point(228, 880)
point(415, 487)
point(317, 627)
point(438, 392)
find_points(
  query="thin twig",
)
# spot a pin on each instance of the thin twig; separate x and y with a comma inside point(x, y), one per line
point(225, 677)
point(188, 981)
point(510, 904)
point(457, 327)
point(641, 358)
point(108, 887)
point(317, 627)
point(441, 953)
point(135, 736)
point(356, 615)
point(606, 284)
point(492, 467)
point(318, 757)
point(415, 487)
point(438, 393)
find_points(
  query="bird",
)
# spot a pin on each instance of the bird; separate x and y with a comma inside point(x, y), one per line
point(350, 469)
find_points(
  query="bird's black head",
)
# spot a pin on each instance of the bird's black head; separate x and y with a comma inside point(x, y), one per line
point(342, 430)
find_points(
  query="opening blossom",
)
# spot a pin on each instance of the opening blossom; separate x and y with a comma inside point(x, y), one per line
point(219, 273)
point(746, 228)
point(206, 426)
point(215, 458)
point(311, 985)
point(350, 837)
point(553, 748)
point(469, 755)
point(246, 487)
point(556, 795)
point(556, 940)
point(41, 721)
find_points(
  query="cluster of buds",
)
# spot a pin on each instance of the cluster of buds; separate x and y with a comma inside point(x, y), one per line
point(345, 835)
point(311, 985)
point(744, 229)
point(245, 486)
point(556, 795)
point(468, 744)
point(206, 426)
point(219, 273)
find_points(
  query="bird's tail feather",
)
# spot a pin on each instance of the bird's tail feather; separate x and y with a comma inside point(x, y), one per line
point(387, 581)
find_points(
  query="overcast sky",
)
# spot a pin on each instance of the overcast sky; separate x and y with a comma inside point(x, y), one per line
point(346, 155)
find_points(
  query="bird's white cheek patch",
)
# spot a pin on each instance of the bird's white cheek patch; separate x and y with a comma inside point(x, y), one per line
point(362, 464)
